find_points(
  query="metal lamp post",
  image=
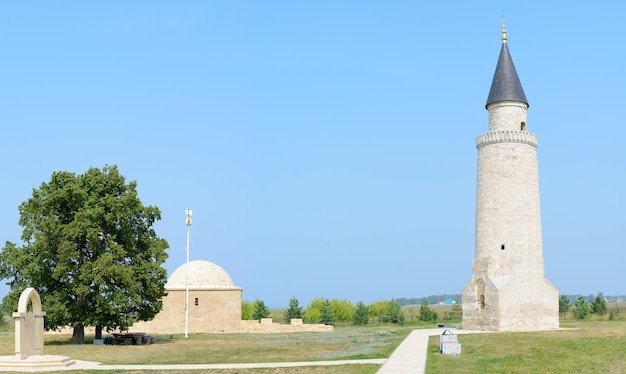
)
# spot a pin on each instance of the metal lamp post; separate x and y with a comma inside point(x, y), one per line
point(188, 223)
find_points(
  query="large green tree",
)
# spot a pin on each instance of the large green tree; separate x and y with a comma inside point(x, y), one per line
point(90, 251)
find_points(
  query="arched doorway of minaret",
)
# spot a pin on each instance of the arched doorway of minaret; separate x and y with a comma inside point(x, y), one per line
point(480, 292)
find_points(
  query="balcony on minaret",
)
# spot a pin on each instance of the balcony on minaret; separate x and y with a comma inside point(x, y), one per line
point(507, 136)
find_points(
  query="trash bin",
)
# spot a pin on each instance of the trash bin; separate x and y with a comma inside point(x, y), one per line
point(448, 343)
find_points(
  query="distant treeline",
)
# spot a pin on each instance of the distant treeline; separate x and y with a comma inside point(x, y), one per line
point(437, 299)
point(590, 298)
point(433, 299)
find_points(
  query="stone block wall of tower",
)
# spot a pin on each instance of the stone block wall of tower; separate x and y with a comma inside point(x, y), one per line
point(507, 115)
point(508, 290)
point(508, 220)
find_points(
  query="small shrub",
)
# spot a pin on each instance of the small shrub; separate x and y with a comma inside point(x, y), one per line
point(260, 310)
point(312, 313)
point(294, 310)
point(427, 314)
point(599, 305)
point(344, 310)
point(393, 314)
point(247, 309)
point(455, 313)
point(361, 314)
point(377, 309)
point(581, 308)
point(564, 304)
point(327, 313)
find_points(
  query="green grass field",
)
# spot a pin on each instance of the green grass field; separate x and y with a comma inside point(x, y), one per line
point(341, 344)
point(591, 346)
point(584, 347)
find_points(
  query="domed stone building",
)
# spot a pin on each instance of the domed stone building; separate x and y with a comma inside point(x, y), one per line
point(214, 301)
point(214, 306)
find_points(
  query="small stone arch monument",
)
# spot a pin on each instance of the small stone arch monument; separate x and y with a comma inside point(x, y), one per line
point(29, 337)
point(28, 325)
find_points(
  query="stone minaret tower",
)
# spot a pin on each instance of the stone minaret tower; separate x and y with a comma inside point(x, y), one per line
point(508, 290)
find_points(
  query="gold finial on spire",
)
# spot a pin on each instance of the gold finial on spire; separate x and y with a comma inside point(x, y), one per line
point(503, 31)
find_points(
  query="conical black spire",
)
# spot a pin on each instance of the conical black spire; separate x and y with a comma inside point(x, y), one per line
point(506, 84)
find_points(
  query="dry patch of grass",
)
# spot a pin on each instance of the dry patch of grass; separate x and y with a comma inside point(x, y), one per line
point(341, 344)
point(584, 347)
point(590, 347)
point(345, 343)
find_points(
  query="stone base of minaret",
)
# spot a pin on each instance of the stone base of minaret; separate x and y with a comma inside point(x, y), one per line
point(510, 303)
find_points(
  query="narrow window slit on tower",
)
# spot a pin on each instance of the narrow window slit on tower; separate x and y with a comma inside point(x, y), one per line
point(523, 127)
point(502, 247)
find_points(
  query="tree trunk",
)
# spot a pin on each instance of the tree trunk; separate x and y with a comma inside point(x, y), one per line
point(78, 336)
point(98, 331)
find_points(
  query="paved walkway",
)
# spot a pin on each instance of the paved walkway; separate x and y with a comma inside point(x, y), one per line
point(408, 358)
point(90, 365)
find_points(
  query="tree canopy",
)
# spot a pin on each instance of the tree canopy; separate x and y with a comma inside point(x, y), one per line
point(89, 249)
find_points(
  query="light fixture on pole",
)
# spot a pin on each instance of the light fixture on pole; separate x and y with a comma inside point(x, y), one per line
point(188, 223)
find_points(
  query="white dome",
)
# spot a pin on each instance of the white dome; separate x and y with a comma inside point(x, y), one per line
point(199, 274)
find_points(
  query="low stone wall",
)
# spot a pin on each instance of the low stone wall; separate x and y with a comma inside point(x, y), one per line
point(267, 326)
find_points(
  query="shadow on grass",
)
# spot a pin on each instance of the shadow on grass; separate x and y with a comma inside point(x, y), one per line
point(59, 341)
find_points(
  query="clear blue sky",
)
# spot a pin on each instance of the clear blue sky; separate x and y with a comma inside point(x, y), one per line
point(326, 148)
